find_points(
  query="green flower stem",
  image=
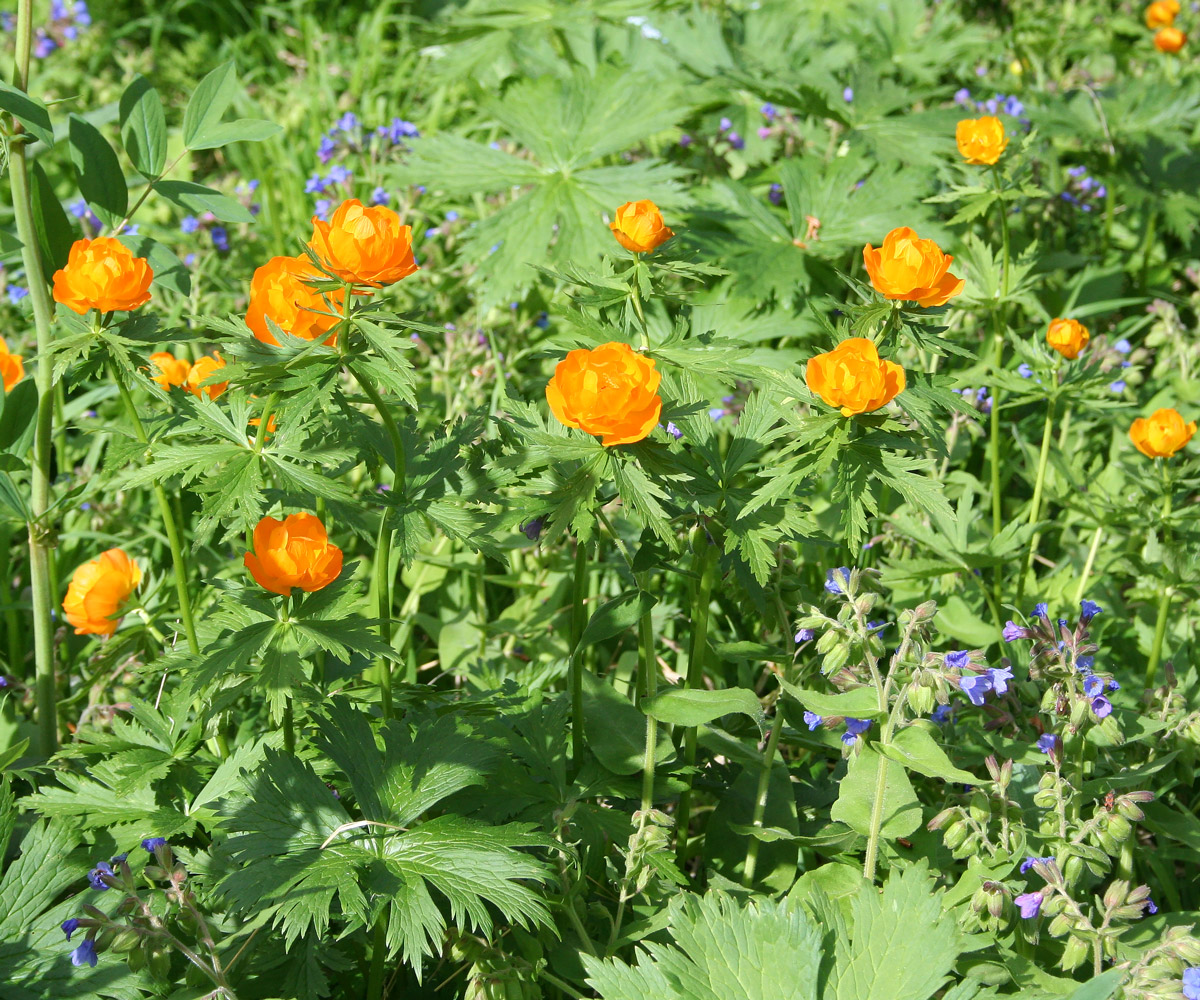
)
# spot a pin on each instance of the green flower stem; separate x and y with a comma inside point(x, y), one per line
point(650, 689)
point(178, 560)
point(378, 958)
point(635, 294)
point(1035, 506)
point(578, 621)
point(263, 420)
point(706, 553)
point(760, 798)
point(1087, 566)
point(997, 363)
point(383, 544)
point(1164, 600)
point(40, 534)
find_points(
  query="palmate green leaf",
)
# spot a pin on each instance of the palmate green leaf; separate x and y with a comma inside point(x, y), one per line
point(571, 128)
point(89, 804)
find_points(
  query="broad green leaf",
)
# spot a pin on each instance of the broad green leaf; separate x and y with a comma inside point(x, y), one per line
point(615, 616)
point(242, 130)
point(144, 127)
point(857, 794)
point(208, 102)
point(694, 707)
point(616, 730)
point(101, 180)
point(1101, 987)
point(861, 703)
point(198, 198)
point(916, 750)
point(169, 270)
point(29, 111)
point(728, 835)
point(54, 231)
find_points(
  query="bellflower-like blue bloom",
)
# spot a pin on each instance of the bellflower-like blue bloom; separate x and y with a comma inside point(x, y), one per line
point(322, 207)
point(1030, 862)
point(1024, 370)
point(220, 238)
point(1079, 171)
point(716, 413)
point(189, 224)
point(16, 293)
point(152, 844)
point(962, 96)
point(1013, 107)
point(1117, 386)
point(1012, 632)
point(674, 431)
point(380, 196)
point(326, 148)
point(775, 195)
point(999, 677)
point(956, 659)
point(1088, 610)
point(338, 174)
point(1151, 906)
point(533, 529)
point(854, 729)
point(725, 124)
point(805, 634)
point(941, 715)
point(85, 953)
point(314, 185)
point(1030, 904)
point(1114, 686)
point(685, 140)
point(812, 720)
point(1122, 346)
point(70, 926)
point(543, 321)
point(95, 876)
point(1093, 685)
point(451, 216)
point(976, 687)
point(347, 123)
point(1102, 707)
point(1040, 611)
point(736, 141)
point(769, 111)
point(1191, 984)
point(1047, 742)
point(43, 47)
point(1084, 664)
point(834, 578)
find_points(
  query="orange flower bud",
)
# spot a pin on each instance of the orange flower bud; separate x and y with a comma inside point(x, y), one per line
point(911, 269)
point(1161, 14)
point(102, 274)
point(170, 369)
point(98, 590)
point(12, 367)
point(981, 140)
point(1068, 337)
point(610, 391)
point(854, 377)
point(278, 292)
point(638, 226)
point(202, 370)
point(364, 246)
point(1161, 434)
point(1169, 40)
point(294, 552)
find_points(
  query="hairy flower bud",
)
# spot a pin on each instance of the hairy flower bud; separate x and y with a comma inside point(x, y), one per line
point(1074, 953)
point(1119, 828)
point(955, 834)
point(942, 818)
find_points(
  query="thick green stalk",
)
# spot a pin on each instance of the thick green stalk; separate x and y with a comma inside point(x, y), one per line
point(40, 533)
point(1164, 600)
point(378, 958)
point(1087, 566)
point(578, 620)
point(707, 555)
point(635, 293)
point(760, 799)
point(1035, 506)
point(178, 560)
point(649, 690)
point(872, 855)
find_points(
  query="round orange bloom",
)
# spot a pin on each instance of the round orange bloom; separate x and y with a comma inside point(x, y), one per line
point(294, 552)
point(365, 246)
point(98, 590)
point(1169, 40)
point(610, 391)
point(12, 367)
point(1068, 337)
point(1161, 14)
point(981, 140)
point(202, 370)
point(102, 274)
point(911, 269)
point(854, 377)
point(278, 292)
point(639, 227)
point(171, 370)
point(1161, 434)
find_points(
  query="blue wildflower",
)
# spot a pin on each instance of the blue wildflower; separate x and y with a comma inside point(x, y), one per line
point(1102, 707)
point(451, 216)
point(1117, 385)
point(685, 140)
point(1151, 906)
point(1093, 685)
point(322, 207)
point(220, 238)
point(1084, 664)
point(1030, 862)
point(956, 659)
point(1013, 107)
point(836, 579)
point(812, 720)
point(1040, 611)
point(999, 677)
point(854, 729)
point(976, 687)
point(380, 196)
point(1030, 904)
point(85, 953)
point(1088, 610)
point(533, 529)
point(769, 111)
point(1012, 632)
point(1047, 742)
point(543, 321)
point(152, 844)
point(674, 431)
point(848, 94)
point(726, 124)
point(962, 96)
point(1078, 171)
point(70, 926)
point(400, 129)
point(189, 224)
point(43, 47)
point(96, 876)
point(1122, 346)
point(806, 635)
point(1113, 685)
point(942, 714)
point(736, 141)
point(347, 123)
point(716, 413)
point(314, 185)
point(1191, 984)
point(338, 174)
point(326, 148)
point(16, 293)
point(775, 195)
point(1024, 370)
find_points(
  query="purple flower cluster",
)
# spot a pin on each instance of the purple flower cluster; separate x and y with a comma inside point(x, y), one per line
point(980, 398)
point(1081, 189)
point(730, 135)
point(997, 104)
point(66, 21)
point(349, 136)
point(87, 219)
point(978, 686)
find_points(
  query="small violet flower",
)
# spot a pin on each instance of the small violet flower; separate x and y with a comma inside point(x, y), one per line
point(999, 678)
point(1030, 862)
point(854, 729)
point(1191, 983)
point(976, 687)
point(942, 714)
point(805, 634)
point(1030, 904)
point(1047, 742)
point(956, 659)
point(152, 844)
point(70, 926)
point(85, 953)
point(812, 720)
point(1012, 632)
point(1102, 707)
point(835, 578)
point(96, 876)
point(1088, 610)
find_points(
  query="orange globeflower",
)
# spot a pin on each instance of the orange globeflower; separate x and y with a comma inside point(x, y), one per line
point(294, 552)
point(1169, 40)
point(12, 367)
point(610, 391)
point(102, 274)
point(911, 269)
point(1161, 14)
point(854, 377)
point(364, 246)
point(1068, 337)
point(171, 370)
point(1161, 434)
point(981, 140)
point(98, 590)
point(638, 226)
point(278, 292)
point(202, 370)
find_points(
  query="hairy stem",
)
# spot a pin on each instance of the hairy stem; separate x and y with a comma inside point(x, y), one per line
point(578, 620)
point(760, 798)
